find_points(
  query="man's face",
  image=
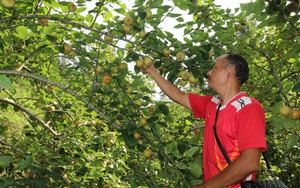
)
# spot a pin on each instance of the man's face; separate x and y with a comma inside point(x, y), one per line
point(218, 75)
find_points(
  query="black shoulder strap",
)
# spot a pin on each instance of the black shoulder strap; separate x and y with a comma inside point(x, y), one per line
point(217, 138)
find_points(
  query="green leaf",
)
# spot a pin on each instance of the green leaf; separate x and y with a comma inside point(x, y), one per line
point(142, 23)
point(181, 165)
point(259, 6)
point(108, 15)
point(177, 154)
point(276, 107)
point(136, 69)
point(56, 175)
point(170, 148)
point(288, 123)
point(192, 151)
point(7, 181)
point(195, 169)
point(292, 141)
point(131, 141)
point(89, 18)
point(22, 32)
point(8, 39)
point(130, 126)
point(4, 164)
point(298, 39)
point(142, 15)
point(36, 169)
point(137, 82)
point(7, 159)
point(174, 15)
point(296, 65)
point(164, 109)
point(5, 82)
point(132, 56)
point(25, 163)
point(50, 29)
point(296, 87)
point(120, 52)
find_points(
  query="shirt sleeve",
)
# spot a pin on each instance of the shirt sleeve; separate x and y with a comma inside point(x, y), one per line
point(199, 104)
point(251, 127)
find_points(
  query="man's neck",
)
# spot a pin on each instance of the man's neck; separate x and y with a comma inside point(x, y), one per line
point(227, 96)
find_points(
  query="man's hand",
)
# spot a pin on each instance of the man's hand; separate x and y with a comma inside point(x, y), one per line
point(244, 165)
point(172, 91)
point(150, 69)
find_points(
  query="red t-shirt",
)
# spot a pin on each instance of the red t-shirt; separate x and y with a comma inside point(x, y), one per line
point(240, 126)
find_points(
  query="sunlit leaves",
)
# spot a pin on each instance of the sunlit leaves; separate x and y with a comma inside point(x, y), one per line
point(89, 18)
point(50, 29)
point(23, 32)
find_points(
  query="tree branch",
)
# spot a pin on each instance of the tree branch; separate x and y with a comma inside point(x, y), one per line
point(10, 145)
point(20, 17)
point(45, 125)
point(7, 72)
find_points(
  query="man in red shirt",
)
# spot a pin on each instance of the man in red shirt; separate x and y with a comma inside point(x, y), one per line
point(240, 124)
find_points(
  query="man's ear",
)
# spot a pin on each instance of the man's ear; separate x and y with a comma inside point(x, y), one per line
point(231, 71)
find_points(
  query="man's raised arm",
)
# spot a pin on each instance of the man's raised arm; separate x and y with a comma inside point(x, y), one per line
point(172, 91)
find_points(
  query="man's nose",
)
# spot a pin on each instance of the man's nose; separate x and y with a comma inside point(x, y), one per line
point(208, 73)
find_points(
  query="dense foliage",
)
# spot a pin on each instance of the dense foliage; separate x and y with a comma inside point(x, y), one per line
point(77, 112)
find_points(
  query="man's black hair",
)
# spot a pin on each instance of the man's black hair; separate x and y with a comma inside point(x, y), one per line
point(240, 65)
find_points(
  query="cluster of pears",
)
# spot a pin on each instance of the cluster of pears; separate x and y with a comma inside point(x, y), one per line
point(147, 152)
point(127, 26)
point(106, 78)
point(144, 62)
point(187, 77)
point(286, 111)
point(44, 21)
point(128, 22)
point(68, 50)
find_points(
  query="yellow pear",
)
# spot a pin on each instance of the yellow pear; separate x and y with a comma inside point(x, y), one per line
point(72, 7)
point(294, 114)
point(7, 3)
point(129, 89)
point(148, 13)
point(148, 61)
point(108, 38)
point(166, 52)
point(126, 28)
point(142, 33)
point(139, 62)
point(147, 153)
point(43, 22)
point(128, 20)
point(152, 108)
point(143, 121)
point(138, 102)
point(137, 135)
point(284, 110)
point(238, 27)
point(180, 56)
point(98, 69)
point(67, 48)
